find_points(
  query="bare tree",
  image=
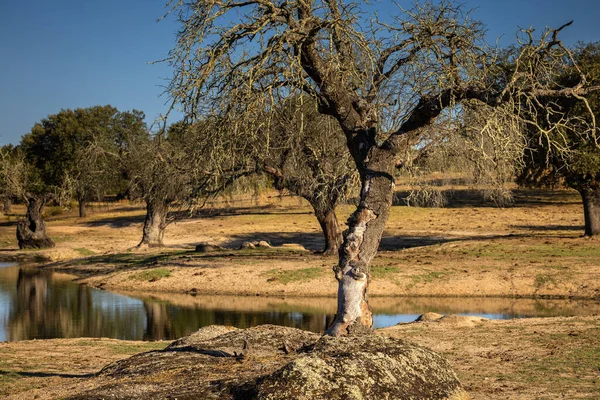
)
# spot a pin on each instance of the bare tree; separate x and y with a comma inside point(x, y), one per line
point(177, 170)
point(21, 179)
point(305, 153)
point(565, 156)
point(382, 82)
point(153, 167)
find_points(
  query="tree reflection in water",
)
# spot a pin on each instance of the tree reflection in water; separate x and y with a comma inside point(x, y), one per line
point(45, 308)
point(42, 304)
point(46, 305)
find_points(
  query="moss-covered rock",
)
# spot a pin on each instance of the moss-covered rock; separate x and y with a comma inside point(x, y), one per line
point(273, 362)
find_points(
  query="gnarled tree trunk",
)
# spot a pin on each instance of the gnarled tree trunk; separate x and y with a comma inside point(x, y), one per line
point(31, 231)
point(361, 242)
point(591, 209)
point(329, 224)
point(155, 224)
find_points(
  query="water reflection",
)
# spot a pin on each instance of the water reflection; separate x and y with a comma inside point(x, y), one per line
point(43, 304)
point(47, 305)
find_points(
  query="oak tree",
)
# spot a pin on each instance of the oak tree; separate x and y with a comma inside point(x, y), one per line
point(382, 80)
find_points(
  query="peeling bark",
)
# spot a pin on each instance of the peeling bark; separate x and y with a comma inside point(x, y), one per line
point(591, 209)
point(361, 242)
point(31, 231)
point(155, 224)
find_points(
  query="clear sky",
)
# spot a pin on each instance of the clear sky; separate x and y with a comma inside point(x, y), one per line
point(57, 54)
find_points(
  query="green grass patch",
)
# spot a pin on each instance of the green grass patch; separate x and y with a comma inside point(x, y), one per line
point(136, 260)
point(84, 252)
point(430, 276)
point(384, 272)
point(151, 274)
point(297, 275)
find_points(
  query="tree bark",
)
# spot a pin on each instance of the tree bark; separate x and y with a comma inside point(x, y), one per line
point(155, 224)
point(31, 231)
point(591, 209)
point(361, 242)
point(7, 205)
point(331, 229)
point(82, 208)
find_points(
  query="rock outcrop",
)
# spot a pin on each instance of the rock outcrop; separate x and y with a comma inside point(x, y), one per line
point(273, 362)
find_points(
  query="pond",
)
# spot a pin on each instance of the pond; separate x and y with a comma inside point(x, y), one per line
point(43, 304)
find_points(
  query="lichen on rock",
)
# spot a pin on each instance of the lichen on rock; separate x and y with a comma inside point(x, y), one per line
point(273, 362)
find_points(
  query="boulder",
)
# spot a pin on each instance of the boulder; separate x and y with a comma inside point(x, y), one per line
point(429, 317)
point(274, 362)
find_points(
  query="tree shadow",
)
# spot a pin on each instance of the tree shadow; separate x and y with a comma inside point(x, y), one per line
point(394, 243)
point(116, 222)
point(310, 241)
point(550, 228)
point(26, 374)
point(269, 209)
point(464, 198)
point(316, 242)
point(204, 213)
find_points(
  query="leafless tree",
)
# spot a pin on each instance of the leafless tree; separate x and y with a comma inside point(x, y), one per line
point(381, 80)
point(20, 179)
point(155, 171)
point(305, 153)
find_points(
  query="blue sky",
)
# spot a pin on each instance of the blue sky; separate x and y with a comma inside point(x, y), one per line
point(57, 54)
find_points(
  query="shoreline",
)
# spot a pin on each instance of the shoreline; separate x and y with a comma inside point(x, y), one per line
point(264, 281)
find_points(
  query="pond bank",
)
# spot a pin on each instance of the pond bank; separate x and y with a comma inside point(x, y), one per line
point(284, 272)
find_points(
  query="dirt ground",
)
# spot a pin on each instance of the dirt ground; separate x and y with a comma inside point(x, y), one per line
point(467, 249)
point(534, 249)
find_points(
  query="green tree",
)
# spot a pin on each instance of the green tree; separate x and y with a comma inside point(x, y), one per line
point(169, 172)
point(69, 150)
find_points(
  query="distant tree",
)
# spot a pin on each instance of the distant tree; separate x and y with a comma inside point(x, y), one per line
point(481, 145)
point(305, 153)
point(569, 153)
point(68, 149)
point(22, 180)
point(167, 172)
point(383, 81)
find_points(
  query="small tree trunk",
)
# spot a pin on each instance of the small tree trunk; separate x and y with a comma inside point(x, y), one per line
point(154, 224)
point(361, 240)
point(331, 229)
point(31, 231)
point(82, 208)
point(591, 209)
point(7, 205)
